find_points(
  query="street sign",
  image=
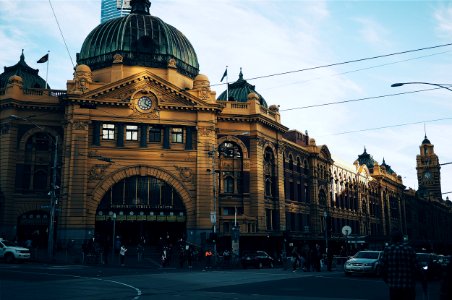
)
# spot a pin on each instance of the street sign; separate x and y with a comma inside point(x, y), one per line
point(213, 217)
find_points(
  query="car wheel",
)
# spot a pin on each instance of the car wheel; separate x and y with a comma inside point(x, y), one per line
point(271, 265)
point(377, 271)
point(260, 265)
point(9, 258)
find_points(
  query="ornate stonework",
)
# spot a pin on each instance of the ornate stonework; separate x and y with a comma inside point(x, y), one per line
point(185, 173)
point(97, 172)
point(206, 131)
point(80, 125)
point(117, 58)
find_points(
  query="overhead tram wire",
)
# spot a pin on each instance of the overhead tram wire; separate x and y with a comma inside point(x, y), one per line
point(388, 126)
point(356, 70)
point(357, 100)
point(343, 63)
point(61, 32)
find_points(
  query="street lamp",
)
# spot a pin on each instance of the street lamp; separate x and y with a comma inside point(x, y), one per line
point(113, 239)
point(54, 187)
point(443, 86)
point(213, 214)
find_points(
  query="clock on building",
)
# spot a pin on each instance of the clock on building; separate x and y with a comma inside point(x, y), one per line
point(427, 176)
point(144, 103)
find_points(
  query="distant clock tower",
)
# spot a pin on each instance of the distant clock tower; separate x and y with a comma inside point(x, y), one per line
point(428, 172)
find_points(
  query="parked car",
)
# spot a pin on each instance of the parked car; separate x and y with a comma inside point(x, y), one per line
point(364, 262)
point(257, 259)
point(10, 252)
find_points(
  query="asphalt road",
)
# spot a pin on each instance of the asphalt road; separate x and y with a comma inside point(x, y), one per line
point(43, 281)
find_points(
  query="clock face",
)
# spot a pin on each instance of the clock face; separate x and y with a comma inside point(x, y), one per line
point(427, 175)
point(145, 103)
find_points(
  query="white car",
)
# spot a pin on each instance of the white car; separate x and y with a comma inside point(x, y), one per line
point(11, 252)
point(364, 262)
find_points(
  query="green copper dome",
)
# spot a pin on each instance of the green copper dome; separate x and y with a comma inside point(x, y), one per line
point(29, 76)
point(366, 159)
point(142, 40)
point(239, 90)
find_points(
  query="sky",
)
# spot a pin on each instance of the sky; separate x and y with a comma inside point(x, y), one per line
point(298, 37)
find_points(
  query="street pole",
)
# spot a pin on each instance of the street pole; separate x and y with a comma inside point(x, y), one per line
point(214, 203)
point(53, 202)
point(113, 239)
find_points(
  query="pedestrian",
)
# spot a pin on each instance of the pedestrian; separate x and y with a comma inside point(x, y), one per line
point(295, 259)
point(398, 268)
point(208, 255)
point(189, 257)
point(446, 284)
point(140, 251)
point(122, 254)
point(316, 257)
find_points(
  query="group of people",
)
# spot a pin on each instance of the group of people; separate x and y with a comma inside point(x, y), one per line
point(307, 258)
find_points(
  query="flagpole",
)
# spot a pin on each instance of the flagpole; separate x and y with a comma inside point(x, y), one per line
point(47, 72)
point(227, 84)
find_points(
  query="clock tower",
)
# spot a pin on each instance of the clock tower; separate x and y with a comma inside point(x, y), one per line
point(428, 172)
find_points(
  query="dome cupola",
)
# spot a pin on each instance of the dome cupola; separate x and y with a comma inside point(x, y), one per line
point(239, 91)
point(29, 76)
point(141, 40)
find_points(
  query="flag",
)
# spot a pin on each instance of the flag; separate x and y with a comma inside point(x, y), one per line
point(43, 59)
point(224, 74)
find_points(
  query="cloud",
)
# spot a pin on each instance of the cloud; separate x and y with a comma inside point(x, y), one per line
point(373, 32)
point(443, 17)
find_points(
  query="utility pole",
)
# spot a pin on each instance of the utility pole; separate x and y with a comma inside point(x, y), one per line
point(53, 202)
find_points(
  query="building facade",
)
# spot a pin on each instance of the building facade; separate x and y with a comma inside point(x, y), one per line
point(111, 9)
point(138, 145)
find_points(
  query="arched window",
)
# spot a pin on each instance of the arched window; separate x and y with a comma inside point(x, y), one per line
point(269, 173)
point(33, 174)
point(230, 165)
point(228, 184)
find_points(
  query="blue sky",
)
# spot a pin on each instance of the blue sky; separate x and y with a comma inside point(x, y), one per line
point(272, 36)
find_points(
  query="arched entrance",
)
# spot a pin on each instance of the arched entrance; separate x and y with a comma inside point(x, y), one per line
point(141, 207)
point(33, 225)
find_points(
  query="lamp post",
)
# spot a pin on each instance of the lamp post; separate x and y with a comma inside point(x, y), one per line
point(443, 86)
point(52, 193)
point(213, 214)
point(113, 239)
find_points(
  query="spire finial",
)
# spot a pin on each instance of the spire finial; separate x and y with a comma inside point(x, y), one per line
point(140, 7)
point(22, 56)
point(240, 74)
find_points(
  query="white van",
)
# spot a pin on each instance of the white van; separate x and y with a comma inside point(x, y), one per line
point(11, 252)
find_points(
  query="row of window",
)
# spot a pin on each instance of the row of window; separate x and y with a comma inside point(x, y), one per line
point(154, 133)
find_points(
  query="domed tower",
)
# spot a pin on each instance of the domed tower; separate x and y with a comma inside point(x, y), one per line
point(139, 39)
point(30, 77)
point(428, 171)
point(239, 90)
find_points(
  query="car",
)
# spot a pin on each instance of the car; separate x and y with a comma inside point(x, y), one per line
point(257, 259)
point(10, 252)
point(364, 262)
point(429, 266)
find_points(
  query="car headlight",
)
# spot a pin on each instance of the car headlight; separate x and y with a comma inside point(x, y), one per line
point(425, 268)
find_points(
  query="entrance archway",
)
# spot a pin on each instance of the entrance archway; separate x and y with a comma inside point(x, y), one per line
point(33, 225)
point(141, 207)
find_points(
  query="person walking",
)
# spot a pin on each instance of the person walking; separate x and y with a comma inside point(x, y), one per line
point(398, 268)
point(208, 255)
point(140, 251)
point(122, 255)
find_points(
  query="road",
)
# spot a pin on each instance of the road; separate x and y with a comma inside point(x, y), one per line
point(46, 281)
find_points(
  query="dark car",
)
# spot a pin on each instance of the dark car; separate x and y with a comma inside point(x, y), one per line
point(257, 259)
point(429, 267)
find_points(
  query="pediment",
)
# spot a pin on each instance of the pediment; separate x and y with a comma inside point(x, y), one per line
point(125, 91)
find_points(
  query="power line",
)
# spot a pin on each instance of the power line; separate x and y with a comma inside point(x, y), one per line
point(61, 32)
point(344, 62)
point(389, 126)
point(357, 70)
point(357, 100)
